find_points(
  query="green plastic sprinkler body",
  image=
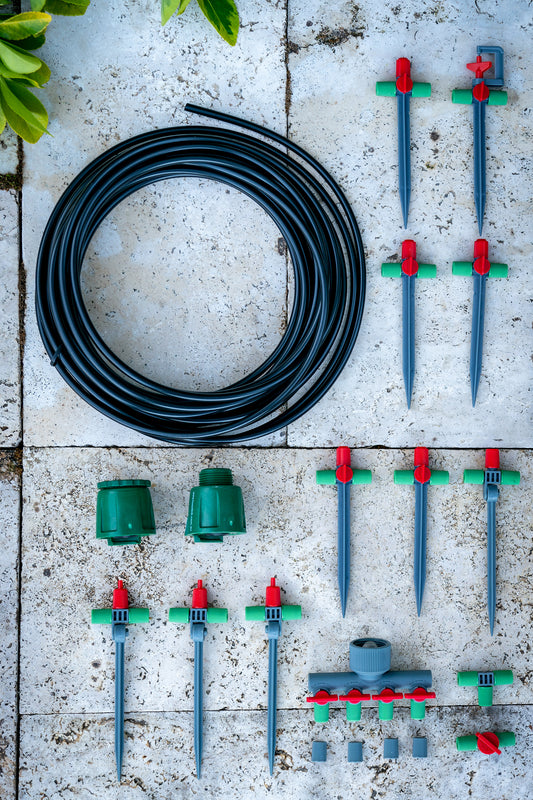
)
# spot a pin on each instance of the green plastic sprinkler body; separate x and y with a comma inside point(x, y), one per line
point(216, 507)
point(124, 511)
point(119, 616)
point(485, 682)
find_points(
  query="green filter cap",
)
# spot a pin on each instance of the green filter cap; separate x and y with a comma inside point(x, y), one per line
point(124, 511)
point(216, 508)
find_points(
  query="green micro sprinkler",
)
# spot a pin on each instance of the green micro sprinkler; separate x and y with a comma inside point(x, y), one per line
point(124, 511)
point(216, 507)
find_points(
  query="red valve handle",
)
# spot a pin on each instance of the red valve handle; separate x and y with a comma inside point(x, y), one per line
point(488, 743)
point(387, 696)
point(322, 698)
point(419, 694)
point(479, 66)
point(354, 696)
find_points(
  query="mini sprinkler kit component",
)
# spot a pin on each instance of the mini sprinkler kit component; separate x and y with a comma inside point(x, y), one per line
point(273, 613)
point(355, 752)
point(479, 97)
point(198, 616)
point(390, 748)
point(408, 271)
point(319, 751)
point(421, 477)
point(485, 682)
point(119, 616)
point(487, 742)
point(343, 477)
point(420, 747)
point(325, 248)
point(403, 89)
point(370, 678)
point(491, 478)
point(124, 512)
point(216, 508)
point(481, 269)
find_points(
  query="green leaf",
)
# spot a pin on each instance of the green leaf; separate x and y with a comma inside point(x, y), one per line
point(67, 8)
point(32, 42)
point(223, 16)
point(168, 7)
point(23, 25)
point(23, 111)
point(18, 60)
point(3, 120)
point(28, 80)
point(38, 5)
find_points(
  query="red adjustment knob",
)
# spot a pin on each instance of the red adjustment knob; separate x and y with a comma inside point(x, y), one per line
point(120, 596)
point(322, 698)
point(479, 66)
point(273, 595)
point(422, 471)
point(344, 471)
point(199, 596)
point(492, 458)
point(480, 91)
point(419, 694)
point(354, 696)
point(404, 83)
point(409, 262)
point(387, 696)
point(488, 743)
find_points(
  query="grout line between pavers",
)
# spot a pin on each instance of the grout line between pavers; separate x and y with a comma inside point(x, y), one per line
point(22, 331)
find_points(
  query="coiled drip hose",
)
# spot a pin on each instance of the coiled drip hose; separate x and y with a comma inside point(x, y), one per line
point(325, 247)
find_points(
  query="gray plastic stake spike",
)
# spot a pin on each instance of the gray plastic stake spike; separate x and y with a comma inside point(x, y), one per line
point(478, 323)
point(343, 542)
point(480, 190)
point(272, 700)
point(491, 554)
point(198, 704)
point(119, 705)
point(404, 153)
point(421, 499)
point(408, 334)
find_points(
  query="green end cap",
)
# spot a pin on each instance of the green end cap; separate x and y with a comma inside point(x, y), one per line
point(462, 269)
point(254, 613)
point(418, 709)
point(136, 615)
point(507, 738)
point(503, 677)
point(326, 477)
point(426, 271)
point(421, 90)
point(391, 270)
point(216, 508)
point(179, 615)
point(321, 713)
point(484, 696)
point(463, 96)
point(291, 612)
point(474, 476)
point(124, 512)
point(217, 615)
point(467, 678)
point(404, 477)
point(361, 476)
point(497, 99)
point(353, 712)
point(386, 88)
point(464, 743)
point(101, 616)
point(385, 710)
point(510, 478)
point(498, 271)
point(439, 477)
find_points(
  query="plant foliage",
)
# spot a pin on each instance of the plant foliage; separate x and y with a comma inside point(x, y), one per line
point(222, 14)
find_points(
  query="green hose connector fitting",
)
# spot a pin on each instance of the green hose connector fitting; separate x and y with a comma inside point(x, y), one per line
point(464, 269)
point(485, 682)
point(104, 616)
point(418, 709)
point(353, 712)
point(509, 478)
point(258, 613)
point(394, 270)
point(385, 710)
point(421, 90)
point(216, 507)
point(463, 96)
point(321, 713)
point(497, 99)
point(124, 511)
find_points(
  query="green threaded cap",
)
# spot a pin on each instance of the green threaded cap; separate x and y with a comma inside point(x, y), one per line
point(216, 507)
point(124, 511)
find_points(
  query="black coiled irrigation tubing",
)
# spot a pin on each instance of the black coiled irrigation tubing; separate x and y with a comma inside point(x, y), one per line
point(326, 250)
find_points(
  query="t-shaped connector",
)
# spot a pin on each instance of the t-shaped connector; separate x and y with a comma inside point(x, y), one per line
point(485, 682)
point(343, 477)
